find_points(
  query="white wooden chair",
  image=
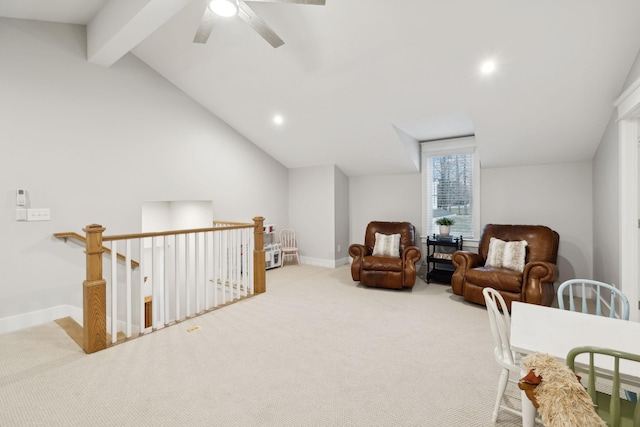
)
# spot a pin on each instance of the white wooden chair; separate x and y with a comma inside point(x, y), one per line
point(595, 288)
point(289, 245)
point(500, 322)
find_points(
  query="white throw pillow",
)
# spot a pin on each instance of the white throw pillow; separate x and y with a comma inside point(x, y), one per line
point(387, 245)
point(509, 255)
point(496, 249)
point(514, 254)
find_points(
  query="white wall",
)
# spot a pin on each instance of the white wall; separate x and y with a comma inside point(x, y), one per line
point(606, 207)
point(312, 213)
point(558, 196)
point(606, 196)
point(341, 186)
point(384, 198)
point(92, 144)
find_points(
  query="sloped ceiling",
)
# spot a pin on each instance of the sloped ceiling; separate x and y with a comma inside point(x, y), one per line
point(357, 79)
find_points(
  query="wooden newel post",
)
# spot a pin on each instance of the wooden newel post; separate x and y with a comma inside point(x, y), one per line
point(259, 263)
point(94, 293)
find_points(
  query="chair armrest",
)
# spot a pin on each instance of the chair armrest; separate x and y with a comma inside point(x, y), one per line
point(358, 251)
point(466, 260)
point(411, 255)
point(463, 261)
point(537, 282)
point(541, 270)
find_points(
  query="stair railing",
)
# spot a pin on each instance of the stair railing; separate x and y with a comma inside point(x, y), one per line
point(184, 273)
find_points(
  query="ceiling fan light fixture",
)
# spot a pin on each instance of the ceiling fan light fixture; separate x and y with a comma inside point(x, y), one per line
point(224, 8)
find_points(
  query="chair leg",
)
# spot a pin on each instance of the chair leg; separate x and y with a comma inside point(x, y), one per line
point(502, 386)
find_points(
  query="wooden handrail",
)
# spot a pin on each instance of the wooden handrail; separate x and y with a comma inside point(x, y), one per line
point(73, 235)
point(174, 232)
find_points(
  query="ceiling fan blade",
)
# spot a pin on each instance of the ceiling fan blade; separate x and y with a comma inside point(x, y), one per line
point(313, 2)
point(206, 26)
point(250, 17)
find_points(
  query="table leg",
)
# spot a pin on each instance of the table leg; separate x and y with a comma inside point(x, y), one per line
point(528, 411)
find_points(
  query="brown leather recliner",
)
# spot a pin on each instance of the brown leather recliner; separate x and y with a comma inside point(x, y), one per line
point(386, 271)
point(533, 285)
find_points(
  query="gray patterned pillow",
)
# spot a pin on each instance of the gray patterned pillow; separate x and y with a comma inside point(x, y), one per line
point(387, 245)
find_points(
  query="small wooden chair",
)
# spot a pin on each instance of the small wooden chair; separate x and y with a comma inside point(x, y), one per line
point(289, 245)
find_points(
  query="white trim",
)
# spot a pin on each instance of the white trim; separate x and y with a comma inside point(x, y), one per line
point(628, 188)
point(447, 147)
point(629, 92)
point(320, 262)
point(628, 108)
point(35, 318)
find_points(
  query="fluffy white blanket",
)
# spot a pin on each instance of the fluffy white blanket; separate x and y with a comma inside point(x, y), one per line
point(562, 400)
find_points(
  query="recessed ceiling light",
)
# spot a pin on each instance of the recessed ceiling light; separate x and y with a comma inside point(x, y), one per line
point(488, 67)
point(278, 119)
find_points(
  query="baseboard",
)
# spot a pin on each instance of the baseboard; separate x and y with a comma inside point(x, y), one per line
point(35, 318)
point(342, 261)
point(320, 262)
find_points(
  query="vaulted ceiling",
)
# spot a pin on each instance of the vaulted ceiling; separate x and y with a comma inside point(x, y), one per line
point(358, 82)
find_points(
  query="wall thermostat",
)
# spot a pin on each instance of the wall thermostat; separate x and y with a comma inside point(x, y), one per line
point(21, 197)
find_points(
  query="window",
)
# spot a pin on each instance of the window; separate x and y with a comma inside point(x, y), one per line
point(451, 185)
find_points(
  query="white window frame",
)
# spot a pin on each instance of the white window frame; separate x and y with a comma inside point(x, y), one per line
point(446, 147)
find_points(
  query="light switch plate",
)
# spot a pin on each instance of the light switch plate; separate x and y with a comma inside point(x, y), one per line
point(42, 214)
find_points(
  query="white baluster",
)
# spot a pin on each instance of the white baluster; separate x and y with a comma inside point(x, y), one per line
point(155, 293)
point(198, 266)
point(224, 265)
point(141, 267)
point(176, 274)
point(216, 266)
point(252, 245)
point(114, 292)
point(128, 290)
point(236, 263)
point(165, 280)
point(187, 263)
point(207, 254)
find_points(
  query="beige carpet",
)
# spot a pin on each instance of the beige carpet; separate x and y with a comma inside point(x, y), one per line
point(316, 350)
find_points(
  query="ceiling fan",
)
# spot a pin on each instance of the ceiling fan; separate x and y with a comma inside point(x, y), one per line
point(239, 8)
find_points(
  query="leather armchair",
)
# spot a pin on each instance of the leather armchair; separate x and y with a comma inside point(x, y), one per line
point(383, 271)
point(533, 285)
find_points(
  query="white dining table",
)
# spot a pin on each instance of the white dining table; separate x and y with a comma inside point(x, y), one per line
point(540, 329)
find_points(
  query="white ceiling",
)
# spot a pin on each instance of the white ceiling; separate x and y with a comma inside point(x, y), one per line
point(355, 77)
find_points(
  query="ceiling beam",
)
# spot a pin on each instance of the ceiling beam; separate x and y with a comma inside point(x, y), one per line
point(122, 24)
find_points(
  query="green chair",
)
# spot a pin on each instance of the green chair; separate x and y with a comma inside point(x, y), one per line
point(614, 410)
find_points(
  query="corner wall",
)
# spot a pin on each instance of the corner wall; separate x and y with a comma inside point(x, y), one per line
point(318, 199)
point(606, 207)
point(384, 198)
